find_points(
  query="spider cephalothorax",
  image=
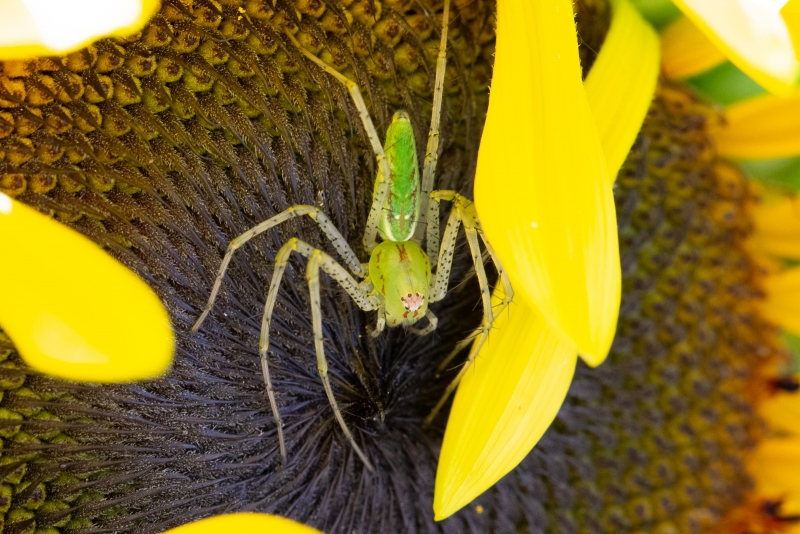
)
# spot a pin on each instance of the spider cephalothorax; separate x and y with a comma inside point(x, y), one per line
point(399, 281)
point(401, 273)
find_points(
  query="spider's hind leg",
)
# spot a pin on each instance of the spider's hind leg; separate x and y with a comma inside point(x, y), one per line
point(432, 148)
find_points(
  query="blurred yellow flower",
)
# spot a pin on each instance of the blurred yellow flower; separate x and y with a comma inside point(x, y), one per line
point(751, 33)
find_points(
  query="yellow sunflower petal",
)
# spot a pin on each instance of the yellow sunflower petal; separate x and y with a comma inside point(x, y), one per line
point(31, 28)
point(752, 34)
point(244, 522)
point(519, 380)
point(541, 188)
point(774, 465)
point(622, 82)
point(686, 51)
point(782, 412)
point(777, 227)
point(72, 310)
point(761, 127)
point(782, 305)
point(504, 404)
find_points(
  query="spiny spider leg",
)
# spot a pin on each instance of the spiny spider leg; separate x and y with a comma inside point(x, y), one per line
point(433, 234)
point(508, 291)
point(438, 287)
point(382, 182)
point(335, 271)
point(432, 150)
point(317, 260)
point(464, 210)
point(336, 238)
point(507, 295)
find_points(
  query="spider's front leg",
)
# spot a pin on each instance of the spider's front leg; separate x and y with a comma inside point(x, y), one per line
point(463, 212)
point(360, 293)
point(316, 260)
point(319, 260)
point(322, 220)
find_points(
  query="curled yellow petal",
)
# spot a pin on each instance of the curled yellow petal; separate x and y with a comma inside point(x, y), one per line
point(752, 35)
point(686, 51)
point(244, 522)
point(73, 311)
point(777, 227)
point(761, 127)
point(541, 188)
point(782, 304)
point(30, 28)
point(504, 404)
point(622, 82)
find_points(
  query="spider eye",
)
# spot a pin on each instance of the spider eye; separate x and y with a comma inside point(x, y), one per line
point(412, 301)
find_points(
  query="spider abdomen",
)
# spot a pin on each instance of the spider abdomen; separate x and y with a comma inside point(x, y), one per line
point(401, 273)
point(401, 212)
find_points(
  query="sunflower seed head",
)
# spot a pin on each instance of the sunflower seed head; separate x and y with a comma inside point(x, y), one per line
point(165, 146)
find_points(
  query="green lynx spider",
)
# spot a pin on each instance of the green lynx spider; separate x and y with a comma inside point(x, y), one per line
point(398, 280)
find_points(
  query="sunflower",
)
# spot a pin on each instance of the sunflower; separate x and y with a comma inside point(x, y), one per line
point(164, 145)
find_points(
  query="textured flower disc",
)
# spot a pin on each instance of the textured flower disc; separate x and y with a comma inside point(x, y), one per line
point(165, 146)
